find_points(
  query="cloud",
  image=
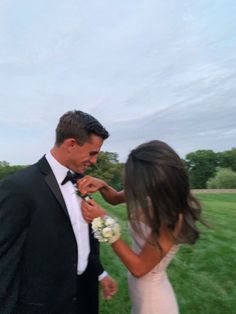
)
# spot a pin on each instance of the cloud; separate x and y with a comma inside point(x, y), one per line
point(145, 69)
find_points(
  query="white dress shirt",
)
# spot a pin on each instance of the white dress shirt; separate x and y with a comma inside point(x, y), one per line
point(73, 202)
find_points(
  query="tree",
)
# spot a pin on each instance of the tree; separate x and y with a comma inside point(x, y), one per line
point(227, 159)
point(6, 169)
point(201, 166)
point(224, 179)
point(4, 163)
point(108, 169)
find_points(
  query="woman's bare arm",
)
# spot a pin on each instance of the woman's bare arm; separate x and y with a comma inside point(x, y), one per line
point(137, 263)
point(90, 184)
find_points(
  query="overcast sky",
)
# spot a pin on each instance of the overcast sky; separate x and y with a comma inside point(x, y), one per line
point(161, 69)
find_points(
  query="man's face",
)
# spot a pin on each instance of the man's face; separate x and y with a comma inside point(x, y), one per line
point(82, 157)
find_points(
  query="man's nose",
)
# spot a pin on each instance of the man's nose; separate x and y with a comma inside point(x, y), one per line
point(93, 160)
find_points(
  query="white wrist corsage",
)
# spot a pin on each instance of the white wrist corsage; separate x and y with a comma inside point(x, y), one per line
point(106, 229)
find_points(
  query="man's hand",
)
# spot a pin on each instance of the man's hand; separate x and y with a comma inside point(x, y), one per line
point(109, 287)
point(90, 184)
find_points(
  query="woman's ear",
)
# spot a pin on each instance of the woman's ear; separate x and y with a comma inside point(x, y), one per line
point(178, 225)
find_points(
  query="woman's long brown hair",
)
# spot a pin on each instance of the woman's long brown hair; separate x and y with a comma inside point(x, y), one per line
point(157, 188)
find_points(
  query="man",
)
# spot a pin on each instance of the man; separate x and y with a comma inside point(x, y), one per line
point(49, 260)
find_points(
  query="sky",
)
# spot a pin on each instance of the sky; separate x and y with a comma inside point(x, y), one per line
point(151, 69)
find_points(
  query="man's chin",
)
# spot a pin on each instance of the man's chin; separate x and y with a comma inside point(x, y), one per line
point(86, 167)
point(83, 169)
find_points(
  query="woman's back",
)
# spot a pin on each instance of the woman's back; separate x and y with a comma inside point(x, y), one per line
point(152, 293)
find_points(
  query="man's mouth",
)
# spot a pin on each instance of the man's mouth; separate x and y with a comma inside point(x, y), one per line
point(86, 166)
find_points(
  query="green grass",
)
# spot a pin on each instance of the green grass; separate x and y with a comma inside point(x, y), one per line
point(203, 275)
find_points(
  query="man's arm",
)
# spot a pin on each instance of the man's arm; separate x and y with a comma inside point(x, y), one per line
point(14, 221)
point(107, 283)
point(90, 184)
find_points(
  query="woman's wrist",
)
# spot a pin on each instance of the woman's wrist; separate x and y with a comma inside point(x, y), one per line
point(104, 187)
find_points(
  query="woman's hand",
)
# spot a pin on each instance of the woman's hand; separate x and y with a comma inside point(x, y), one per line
point(90, 184)
point(91, 210)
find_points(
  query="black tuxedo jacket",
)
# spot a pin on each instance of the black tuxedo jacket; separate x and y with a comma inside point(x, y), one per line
point(38, 250)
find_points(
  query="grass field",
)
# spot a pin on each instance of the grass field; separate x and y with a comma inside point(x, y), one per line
point(203, 276)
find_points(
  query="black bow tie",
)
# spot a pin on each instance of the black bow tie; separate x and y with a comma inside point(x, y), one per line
point(73, 177)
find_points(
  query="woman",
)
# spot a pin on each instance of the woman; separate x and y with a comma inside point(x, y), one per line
point(162, 214)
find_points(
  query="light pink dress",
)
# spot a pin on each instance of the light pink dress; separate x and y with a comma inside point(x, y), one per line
point(152, 293)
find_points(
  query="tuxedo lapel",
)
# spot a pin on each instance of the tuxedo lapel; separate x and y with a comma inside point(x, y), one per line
point(52, 182)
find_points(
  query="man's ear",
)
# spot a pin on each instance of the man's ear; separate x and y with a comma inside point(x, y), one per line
point(69, 143)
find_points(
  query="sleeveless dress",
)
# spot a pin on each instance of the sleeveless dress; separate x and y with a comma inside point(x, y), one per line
point(152, 293)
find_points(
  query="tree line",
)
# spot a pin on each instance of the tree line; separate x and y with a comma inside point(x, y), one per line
point(206, 169)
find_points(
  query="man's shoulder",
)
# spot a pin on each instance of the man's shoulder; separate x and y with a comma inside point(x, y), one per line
point(25, 174)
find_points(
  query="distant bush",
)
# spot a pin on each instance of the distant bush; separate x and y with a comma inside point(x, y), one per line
point(224, 179)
